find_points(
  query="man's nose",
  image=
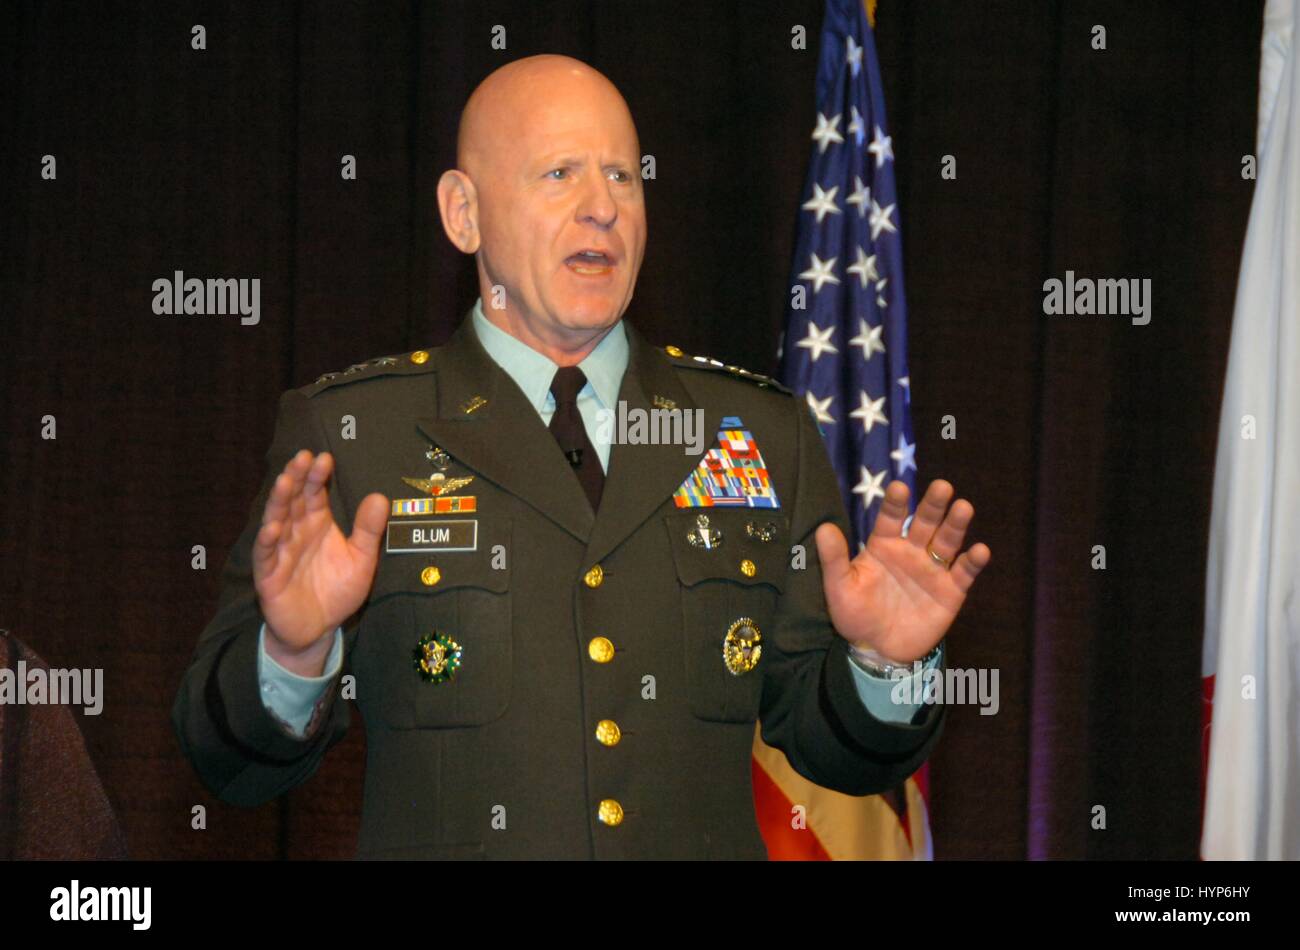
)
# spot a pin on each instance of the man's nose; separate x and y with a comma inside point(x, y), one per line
point(597, 204)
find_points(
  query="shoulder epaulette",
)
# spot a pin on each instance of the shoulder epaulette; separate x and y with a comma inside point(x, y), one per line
point(703, 362)
point(402, 364)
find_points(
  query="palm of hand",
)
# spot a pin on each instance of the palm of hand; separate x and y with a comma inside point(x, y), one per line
point(913, 601)
point(310, 577)
point(319, 579)
point(894, 596)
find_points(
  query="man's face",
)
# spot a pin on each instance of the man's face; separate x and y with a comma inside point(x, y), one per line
point(562, 213)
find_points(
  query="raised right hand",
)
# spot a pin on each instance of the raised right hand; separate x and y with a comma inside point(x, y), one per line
point(309, 577)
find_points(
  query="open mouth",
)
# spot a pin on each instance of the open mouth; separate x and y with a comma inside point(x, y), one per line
point(590, 263)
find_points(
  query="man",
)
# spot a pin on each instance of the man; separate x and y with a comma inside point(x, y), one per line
point(555, 654)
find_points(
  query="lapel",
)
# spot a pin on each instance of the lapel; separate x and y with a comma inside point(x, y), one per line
point(642, 477)
point(503, 440)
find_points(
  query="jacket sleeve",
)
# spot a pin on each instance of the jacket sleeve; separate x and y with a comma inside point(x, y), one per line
point(811, 709)
point(242, 752)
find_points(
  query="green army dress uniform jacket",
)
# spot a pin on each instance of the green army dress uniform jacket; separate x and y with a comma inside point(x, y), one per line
point(545, 743)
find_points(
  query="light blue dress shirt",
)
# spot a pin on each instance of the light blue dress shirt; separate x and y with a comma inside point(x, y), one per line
point(292, 698)
point(532, 372)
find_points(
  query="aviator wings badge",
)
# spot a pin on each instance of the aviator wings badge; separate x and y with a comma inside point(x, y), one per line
point(438, 490)
point(438, 483)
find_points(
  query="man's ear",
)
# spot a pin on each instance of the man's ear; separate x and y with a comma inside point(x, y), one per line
point(458, 205)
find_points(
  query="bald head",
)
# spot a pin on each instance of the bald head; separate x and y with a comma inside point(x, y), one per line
point(514, 100)
point(547, 195)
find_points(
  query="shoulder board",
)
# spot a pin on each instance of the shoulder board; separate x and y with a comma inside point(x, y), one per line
point(685, 361)
point(403, 364)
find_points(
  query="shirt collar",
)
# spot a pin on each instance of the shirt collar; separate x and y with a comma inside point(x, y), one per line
point(532, 371)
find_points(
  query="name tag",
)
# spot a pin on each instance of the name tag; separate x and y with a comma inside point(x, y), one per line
point(414, 537)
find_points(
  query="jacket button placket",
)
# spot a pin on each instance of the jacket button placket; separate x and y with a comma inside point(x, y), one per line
point(609, 812)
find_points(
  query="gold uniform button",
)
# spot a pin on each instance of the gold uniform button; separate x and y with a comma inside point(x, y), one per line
point(747, 568)
point(430, 576)
point(608, 732)
point(594, 577)
point(610, 812)
point(673, 351)
point(600, 649)
point(420, 357)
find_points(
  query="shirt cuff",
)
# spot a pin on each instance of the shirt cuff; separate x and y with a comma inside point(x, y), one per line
point(288, 696)
point(883, 697)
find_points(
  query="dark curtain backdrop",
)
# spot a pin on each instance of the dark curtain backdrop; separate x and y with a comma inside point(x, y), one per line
point(1071, 431)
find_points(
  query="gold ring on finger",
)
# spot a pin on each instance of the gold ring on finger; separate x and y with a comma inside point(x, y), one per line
point(945, 562)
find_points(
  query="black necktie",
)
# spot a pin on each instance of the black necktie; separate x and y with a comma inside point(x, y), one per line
point(571, 434)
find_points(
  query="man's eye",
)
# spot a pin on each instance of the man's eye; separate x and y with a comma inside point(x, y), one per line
point(557, 173)
point(620, 176)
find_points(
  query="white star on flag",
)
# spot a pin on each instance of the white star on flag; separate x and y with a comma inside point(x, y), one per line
point(869, 486)
point(821, 407)
point(865, 268)
point(882, 146)
point(818, 341)
point(823, 202)
point(819, 272)
point(825, 133)
point(904, 455)
point(880, 219)
point(853, 55)
point(860, 195)
point(869, 412)
point(856, 128)
point(869, 339)
point(906, 383)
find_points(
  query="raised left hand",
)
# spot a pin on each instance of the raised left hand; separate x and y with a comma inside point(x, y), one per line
point(894, 597)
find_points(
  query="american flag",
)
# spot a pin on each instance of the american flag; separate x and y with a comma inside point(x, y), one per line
point(845, 344)
point(844, 351)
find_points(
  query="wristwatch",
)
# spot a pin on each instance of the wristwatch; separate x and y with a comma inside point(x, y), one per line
point(878, 665)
